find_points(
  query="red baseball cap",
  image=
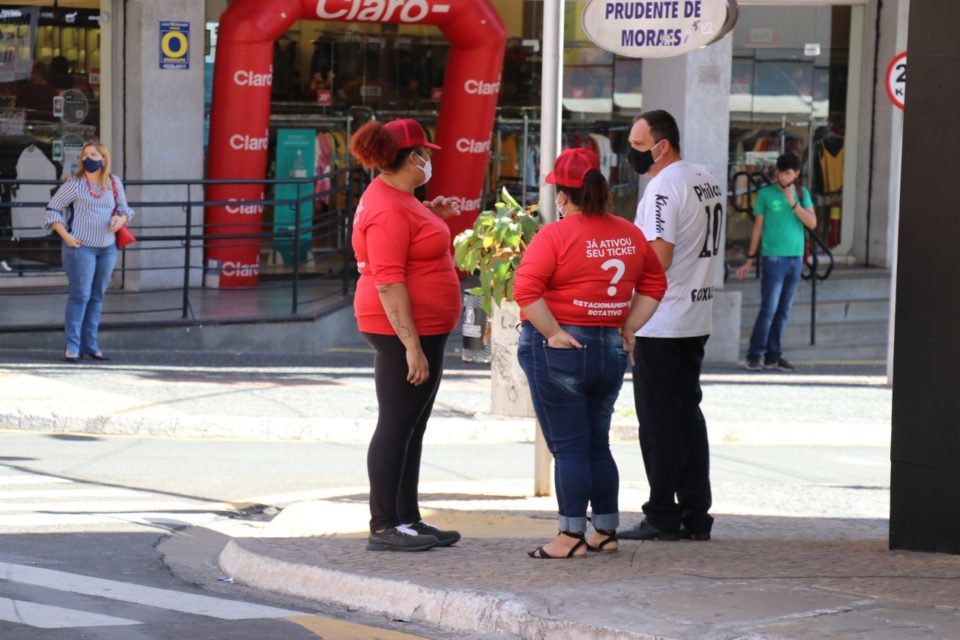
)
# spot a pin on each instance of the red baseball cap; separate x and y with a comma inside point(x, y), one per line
point(407, 133)
point(572, 166)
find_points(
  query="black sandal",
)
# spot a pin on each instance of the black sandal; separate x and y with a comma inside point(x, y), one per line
point(540, 554)
point(611, 537)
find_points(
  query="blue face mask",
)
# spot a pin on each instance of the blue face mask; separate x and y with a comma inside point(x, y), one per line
point(92, 166)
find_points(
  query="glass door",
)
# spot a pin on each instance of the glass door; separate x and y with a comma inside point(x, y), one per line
point(788, 95)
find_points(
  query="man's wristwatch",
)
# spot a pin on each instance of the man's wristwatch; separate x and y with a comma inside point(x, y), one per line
point(751, 257)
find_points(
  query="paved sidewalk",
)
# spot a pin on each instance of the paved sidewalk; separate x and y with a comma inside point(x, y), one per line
point(763, 576)
point(331, 398)
point(760, 577)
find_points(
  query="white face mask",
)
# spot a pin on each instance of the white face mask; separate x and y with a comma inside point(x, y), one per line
point(427, 169)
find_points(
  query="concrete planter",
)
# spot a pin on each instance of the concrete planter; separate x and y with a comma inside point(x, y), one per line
point(510, 393)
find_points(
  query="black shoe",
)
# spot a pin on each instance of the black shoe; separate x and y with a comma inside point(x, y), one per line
point(646, 531)
point(97, 355)
point(686, 534)
point(444, 538)
point(779, 364)
point(71, 358)
point(753, 364)
point(400, 538)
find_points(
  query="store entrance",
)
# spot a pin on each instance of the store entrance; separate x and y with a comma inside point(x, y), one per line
point(789, 94)
point(49, 105)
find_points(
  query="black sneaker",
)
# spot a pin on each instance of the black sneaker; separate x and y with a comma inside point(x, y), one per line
point(779, 364)
point(444, 538)
point(686, 534)
point(753, 364)
point(646, 531)
point(400, 538)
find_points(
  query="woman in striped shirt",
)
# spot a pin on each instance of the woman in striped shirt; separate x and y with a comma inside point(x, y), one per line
point(86, 212)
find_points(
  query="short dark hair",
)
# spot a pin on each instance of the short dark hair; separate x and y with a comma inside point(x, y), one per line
point(788, 161)
point(662, 125)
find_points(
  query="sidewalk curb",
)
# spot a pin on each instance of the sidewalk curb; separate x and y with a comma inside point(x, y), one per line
point(458, 611)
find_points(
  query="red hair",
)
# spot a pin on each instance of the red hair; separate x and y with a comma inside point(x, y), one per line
point(374, 146)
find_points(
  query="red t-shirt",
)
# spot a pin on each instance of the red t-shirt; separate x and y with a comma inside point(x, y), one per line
point(586, 268)
point(397, 239)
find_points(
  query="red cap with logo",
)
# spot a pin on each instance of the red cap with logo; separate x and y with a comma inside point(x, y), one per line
point(408, 133)
point(572, 166)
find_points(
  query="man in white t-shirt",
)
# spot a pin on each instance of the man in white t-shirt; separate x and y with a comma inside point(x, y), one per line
point(680, 214)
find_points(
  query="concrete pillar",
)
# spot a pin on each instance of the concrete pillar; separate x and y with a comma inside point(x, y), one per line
point(881, 131)
point(695, 88)
point(925, 477)
point(157, 133)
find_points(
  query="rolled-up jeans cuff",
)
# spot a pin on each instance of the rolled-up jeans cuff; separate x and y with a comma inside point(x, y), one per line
point(573, 525)
point(606, 521)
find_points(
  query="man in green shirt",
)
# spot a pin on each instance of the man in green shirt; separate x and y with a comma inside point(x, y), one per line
point(780, 215)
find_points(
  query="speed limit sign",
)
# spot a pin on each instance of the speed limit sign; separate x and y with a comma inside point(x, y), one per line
point(897, 80)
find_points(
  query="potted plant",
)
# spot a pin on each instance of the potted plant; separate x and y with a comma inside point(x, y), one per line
point(493, 249)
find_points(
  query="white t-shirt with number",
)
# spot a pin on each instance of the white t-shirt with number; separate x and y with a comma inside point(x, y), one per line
point(683, 205)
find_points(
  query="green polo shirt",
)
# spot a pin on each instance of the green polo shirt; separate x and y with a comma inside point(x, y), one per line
point(783, 233)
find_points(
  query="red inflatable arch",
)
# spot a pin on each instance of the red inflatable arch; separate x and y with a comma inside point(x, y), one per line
point(240, 115)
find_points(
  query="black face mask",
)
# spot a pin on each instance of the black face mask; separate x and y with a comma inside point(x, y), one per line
point(641, 161)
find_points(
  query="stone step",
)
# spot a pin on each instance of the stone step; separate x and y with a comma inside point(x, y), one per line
point(833, 289)
point(827, 311)
point(861, 352)
point(830, 334)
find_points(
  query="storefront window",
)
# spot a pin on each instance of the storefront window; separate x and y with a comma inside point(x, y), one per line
point(49, 105)
point(789, 95)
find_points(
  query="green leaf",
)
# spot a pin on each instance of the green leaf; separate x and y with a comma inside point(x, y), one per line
point(506, 197)
point(460, 251)
point(529, 228)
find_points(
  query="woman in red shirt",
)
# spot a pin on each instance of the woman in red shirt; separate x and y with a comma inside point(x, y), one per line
point(407, 302)
point(585, 285)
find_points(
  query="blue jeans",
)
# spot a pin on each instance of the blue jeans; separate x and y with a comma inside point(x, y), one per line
point(88, 274)
point(778, 286)
point(573, 392)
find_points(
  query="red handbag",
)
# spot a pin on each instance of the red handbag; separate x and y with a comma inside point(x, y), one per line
point(124, 235)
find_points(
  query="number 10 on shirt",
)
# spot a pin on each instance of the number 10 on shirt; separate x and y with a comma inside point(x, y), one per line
point(714, 219)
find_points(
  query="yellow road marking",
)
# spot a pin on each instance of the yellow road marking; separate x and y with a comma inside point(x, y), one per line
point(330, 629)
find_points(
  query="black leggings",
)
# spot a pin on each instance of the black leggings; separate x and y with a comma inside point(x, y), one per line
point(393, 459)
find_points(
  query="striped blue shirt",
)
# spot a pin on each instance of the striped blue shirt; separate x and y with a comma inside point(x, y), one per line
point(91, 215)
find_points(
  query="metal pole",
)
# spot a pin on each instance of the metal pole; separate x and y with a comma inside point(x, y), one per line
point(295, 302)
point(551, 112)
point(347, 222)
point(184, 311)
point(813, 293)
point(523, 159)
point(551, 109)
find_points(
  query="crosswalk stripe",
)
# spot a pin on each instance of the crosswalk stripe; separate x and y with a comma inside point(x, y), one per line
point(44, 616)
point(102, 506)
point(137, 594)
point(68, 493)
point(82, 519)
point(31, 480)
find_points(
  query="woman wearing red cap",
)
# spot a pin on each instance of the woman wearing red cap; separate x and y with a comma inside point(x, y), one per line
point(407, 302)
point(585, 285)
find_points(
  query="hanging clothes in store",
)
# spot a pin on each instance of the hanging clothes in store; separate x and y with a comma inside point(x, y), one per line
point(830, 161)
point(33, 164)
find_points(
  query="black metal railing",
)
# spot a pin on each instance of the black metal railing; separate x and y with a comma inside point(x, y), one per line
point(34, 255)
